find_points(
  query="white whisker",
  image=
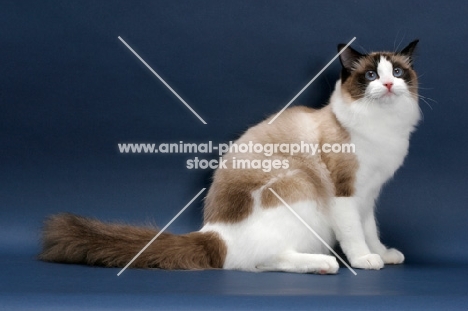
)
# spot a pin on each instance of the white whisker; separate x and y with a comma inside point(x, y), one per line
point(424, 99)
point(401, 41)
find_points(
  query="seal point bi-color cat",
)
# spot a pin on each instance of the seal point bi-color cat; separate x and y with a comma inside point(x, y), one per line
point(374, 106)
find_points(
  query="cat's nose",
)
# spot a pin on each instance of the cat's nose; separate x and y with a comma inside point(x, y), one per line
point(388, 85)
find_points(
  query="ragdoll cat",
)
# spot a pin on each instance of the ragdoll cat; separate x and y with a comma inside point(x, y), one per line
point(374, 106)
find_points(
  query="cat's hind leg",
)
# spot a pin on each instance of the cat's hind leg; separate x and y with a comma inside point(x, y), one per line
point(300, 263)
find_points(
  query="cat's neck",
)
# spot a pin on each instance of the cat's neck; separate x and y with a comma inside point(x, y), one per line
point(376, 120)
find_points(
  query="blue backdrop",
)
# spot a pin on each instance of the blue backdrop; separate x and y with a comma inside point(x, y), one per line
point(71, 91)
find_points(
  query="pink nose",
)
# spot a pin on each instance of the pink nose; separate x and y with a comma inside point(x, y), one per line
point(388, 85)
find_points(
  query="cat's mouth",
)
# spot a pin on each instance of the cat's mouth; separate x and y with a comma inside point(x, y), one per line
point(384, 95)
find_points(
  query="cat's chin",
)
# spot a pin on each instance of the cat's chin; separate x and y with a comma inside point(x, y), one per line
point(388, 98)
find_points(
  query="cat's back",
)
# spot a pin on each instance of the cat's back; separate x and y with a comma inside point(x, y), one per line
point(295, 124)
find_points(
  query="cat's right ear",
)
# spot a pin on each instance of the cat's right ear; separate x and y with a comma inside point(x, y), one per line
point(348, 57)
point(409, 51)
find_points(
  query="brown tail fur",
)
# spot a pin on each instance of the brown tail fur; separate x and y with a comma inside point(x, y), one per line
point(73, 239)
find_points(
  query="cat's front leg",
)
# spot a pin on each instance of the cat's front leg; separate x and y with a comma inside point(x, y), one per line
point(346, 223)
point(389, 255)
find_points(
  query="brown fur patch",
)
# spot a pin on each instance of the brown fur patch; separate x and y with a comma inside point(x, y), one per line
point(230, 196)
point(316, 177)
point(299, 186)
point(342, 166)
point(73, 239)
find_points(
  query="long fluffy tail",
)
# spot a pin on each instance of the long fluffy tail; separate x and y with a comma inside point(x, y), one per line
point(73, 239)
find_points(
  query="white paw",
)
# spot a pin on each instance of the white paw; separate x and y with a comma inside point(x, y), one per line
point(369, 262)
point(328, 266)
point(392, 256)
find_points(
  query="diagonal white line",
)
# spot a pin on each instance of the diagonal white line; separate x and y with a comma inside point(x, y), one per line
point(311, 81)
point(312, 230)
point(162, 80)
point(160, 232)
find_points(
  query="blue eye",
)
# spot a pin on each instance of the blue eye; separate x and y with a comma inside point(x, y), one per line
point(371, 75)
point(397, 72)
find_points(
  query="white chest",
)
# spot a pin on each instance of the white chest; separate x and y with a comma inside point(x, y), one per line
point(379, 155)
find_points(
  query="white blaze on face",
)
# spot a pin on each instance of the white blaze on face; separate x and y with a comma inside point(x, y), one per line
point(386, 85)
point(385, 71)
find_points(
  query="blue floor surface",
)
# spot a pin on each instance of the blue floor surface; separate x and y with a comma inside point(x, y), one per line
point(28, 284)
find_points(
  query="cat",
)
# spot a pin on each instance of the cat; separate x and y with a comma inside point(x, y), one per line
point(374, 106)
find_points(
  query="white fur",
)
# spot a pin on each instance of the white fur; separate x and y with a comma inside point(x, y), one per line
point(272, 239)
point(269, 232)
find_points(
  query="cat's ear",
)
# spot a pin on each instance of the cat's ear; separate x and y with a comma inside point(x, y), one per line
point(348, 57)
point(409, 50)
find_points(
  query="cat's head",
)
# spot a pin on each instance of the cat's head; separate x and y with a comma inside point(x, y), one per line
point(381, 76)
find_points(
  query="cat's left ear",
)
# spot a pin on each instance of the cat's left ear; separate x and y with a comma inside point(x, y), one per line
point(409, 50)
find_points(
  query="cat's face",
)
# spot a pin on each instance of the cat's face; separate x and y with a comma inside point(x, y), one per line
point(381, 76)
